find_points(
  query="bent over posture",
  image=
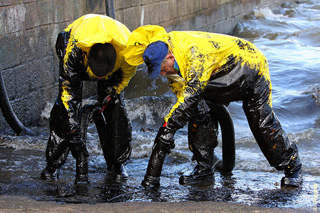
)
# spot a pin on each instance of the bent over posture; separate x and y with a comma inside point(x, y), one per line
point(89, 49)
point(219, 69)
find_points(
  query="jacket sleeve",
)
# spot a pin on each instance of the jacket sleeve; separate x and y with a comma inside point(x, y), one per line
point(196, 79)
point(176, 83)
point(70, 84)
point(128, 72)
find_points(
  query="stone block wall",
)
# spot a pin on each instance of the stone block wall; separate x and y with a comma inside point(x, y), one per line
point(28, 30)
point(206, 15)
point(28, 63)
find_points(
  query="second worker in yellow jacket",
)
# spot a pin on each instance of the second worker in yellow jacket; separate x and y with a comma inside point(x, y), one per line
point(219, 69)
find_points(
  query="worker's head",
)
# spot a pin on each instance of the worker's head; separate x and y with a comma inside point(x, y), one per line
point(102, 59)
point(153, 56)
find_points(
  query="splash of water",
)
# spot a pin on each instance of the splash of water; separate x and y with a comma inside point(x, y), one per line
point(267, 13)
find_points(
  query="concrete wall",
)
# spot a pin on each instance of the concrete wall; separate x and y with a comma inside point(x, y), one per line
point(207, 15)
point(28, 30)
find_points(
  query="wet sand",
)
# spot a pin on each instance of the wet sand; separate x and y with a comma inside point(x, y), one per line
point(25, 204)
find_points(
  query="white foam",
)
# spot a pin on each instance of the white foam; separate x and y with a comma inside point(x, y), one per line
point(142, 143)
point(301, 136)
point(268, 14)
point(45, 113)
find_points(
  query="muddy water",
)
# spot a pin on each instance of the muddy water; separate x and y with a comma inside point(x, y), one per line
point(20, 171)
point(289, 37)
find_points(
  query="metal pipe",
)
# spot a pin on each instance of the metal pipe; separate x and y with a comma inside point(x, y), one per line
point(110, 8)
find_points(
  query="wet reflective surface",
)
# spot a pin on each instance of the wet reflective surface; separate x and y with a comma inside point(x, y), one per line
point(20, 171)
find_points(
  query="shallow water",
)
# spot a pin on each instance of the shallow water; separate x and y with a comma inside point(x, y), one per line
point(290, 38)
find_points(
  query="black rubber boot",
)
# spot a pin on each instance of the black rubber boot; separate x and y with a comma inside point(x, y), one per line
point(196, 176)
point(117, 172)
point(152, 178)
point(82, 168)
point(202, 138)
point(292, 170)
point(293, 178)
point(49, 174)
point(150, 181)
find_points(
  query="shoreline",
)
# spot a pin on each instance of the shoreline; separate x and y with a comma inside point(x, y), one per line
point(27, 204)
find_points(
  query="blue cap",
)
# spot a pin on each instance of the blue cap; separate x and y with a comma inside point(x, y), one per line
point(153, 56)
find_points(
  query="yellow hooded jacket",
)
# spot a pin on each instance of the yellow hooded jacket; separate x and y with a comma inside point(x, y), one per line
point(199, 55)
point(73, 46)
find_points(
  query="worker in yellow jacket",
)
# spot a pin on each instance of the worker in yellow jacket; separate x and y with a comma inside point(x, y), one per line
point(219, 69)
point(89, 49)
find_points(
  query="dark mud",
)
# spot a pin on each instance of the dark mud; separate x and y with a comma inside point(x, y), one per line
point(20, 171)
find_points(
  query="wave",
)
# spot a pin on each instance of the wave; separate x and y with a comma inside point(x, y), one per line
point(314, 90)
point(268, 14)
point(149, 111)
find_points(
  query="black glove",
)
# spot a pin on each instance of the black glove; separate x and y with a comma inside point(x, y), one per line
point(75, 138)
point(165, 137)
point(104, 103)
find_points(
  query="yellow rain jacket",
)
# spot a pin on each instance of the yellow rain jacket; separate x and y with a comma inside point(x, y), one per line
point(219, 69)
point(199, 55)
point(73, 46)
